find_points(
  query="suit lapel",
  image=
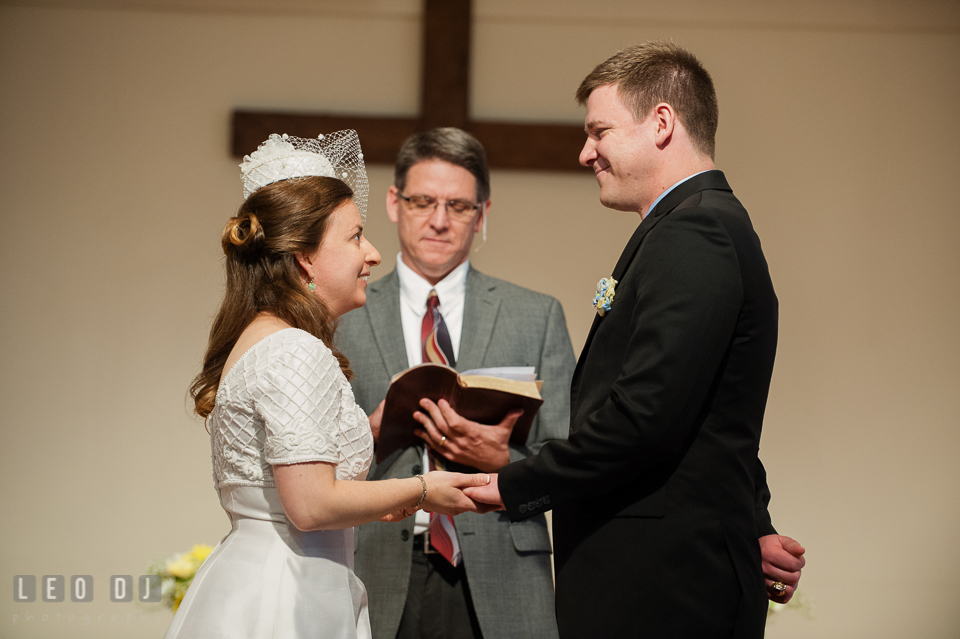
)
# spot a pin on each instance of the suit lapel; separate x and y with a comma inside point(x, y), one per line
point(625, 258)
point(383, 310)
point(479, 317)
point(710, 180)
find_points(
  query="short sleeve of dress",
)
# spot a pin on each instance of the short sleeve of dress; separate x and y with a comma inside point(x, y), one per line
point(299, 401)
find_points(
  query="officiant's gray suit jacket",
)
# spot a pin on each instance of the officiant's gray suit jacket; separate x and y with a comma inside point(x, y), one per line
point(507, 565)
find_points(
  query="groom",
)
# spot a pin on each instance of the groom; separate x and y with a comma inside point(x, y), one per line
point(655, 520)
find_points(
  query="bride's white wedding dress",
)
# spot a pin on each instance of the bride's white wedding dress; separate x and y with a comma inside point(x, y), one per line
point(285, 401)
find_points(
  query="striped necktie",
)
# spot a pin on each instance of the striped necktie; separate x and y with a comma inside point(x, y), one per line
point(435, 341)
point(434, 337)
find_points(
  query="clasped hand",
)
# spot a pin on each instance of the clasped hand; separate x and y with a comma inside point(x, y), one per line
point(445, 495)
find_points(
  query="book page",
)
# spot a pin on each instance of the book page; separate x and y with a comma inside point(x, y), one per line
point(519, 373)
point(527, 389)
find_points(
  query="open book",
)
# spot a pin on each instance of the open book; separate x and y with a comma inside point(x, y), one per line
point(481, 395)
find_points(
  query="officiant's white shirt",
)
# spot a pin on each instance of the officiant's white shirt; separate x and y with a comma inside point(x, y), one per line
point(414, 291)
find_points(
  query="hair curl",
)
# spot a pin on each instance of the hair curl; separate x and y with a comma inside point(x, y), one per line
point(274, 225)
point(245, 234)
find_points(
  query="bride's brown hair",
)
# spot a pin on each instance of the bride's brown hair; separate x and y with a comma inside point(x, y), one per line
point(274, 225)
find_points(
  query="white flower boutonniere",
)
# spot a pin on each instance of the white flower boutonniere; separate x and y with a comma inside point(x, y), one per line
point(604, 297)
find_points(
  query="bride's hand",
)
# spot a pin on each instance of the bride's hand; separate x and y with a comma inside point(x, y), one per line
point(445, 492)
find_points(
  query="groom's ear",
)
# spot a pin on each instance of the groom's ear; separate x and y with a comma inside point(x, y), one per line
point(665, 120)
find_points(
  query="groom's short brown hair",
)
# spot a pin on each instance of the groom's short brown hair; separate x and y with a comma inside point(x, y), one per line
point(654, 72)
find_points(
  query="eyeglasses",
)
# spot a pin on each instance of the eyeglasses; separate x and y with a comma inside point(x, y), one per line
point(425, 205)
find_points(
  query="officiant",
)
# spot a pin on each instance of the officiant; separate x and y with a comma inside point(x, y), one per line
point(477, 576)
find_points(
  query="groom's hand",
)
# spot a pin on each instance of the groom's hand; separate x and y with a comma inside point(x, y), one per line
point(782, 561)
point(446, 492)
point(488, 494)
point(482, 446)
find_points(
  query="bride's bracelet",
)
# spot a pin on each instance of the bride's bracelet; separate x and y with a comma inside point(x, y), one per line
point(423, 483)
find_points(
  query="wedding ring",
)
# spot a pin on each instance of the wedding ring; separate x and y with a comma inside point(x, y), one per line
point(443, 440)
point(779, 588)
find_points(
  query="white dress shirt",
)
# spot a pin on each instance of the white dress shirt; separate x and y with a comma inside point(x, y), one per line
point(414, 291)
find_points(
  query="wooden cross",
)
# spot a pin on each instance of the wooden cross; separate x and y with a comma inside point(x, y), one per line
point(444, 102)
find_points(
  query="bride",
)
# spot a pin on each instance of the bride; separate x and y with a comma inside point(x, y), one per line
point(287, 437)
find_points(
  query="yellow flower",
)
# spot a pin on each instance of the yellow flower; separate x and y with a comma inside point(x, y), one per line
point(177, 573)
point(200, 552)
point(181, 567)
point(179, 591)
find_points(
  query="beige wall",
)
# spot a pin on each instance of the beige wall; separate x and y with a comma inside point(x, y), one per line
point(838, 131)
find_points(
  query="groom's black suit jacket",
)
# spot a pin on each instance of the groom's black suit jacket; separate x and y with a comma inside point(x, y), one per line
point(655, 516)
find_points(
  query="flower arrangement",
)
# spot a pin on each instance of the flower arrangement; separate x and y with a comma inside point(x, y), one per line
point(177, 573)
point(603, 300)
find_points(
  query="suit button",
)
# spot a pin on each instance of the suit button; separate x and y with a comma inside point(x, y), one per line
point(546, 500)
point(404, 535)
point(522, 508)
point(416, 469)
point(531, 506)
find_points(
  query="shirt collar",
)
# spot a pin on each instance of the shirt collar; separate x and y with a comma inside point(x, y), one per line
point(664, 194)
point(414, 290)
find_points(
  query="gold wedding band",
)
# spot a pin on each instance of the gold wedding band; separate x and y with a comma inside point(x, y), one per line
point(779, 588)
point(443, 440)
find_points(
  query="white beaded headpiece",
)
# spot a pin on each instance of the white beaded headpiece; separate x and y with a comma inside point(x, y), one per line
point(284, 157)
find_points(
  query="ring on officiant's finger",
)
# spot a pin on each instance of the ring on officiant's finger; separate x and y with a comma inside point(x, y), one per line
point(779, 588)
point(443, 440)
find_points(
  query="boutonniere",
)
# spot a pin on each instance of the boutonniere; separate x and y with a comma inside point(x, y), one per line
point(604, 297)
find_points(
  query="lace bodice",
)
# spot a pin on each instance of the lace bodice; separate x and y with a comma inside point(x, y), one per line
point(286, 401)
